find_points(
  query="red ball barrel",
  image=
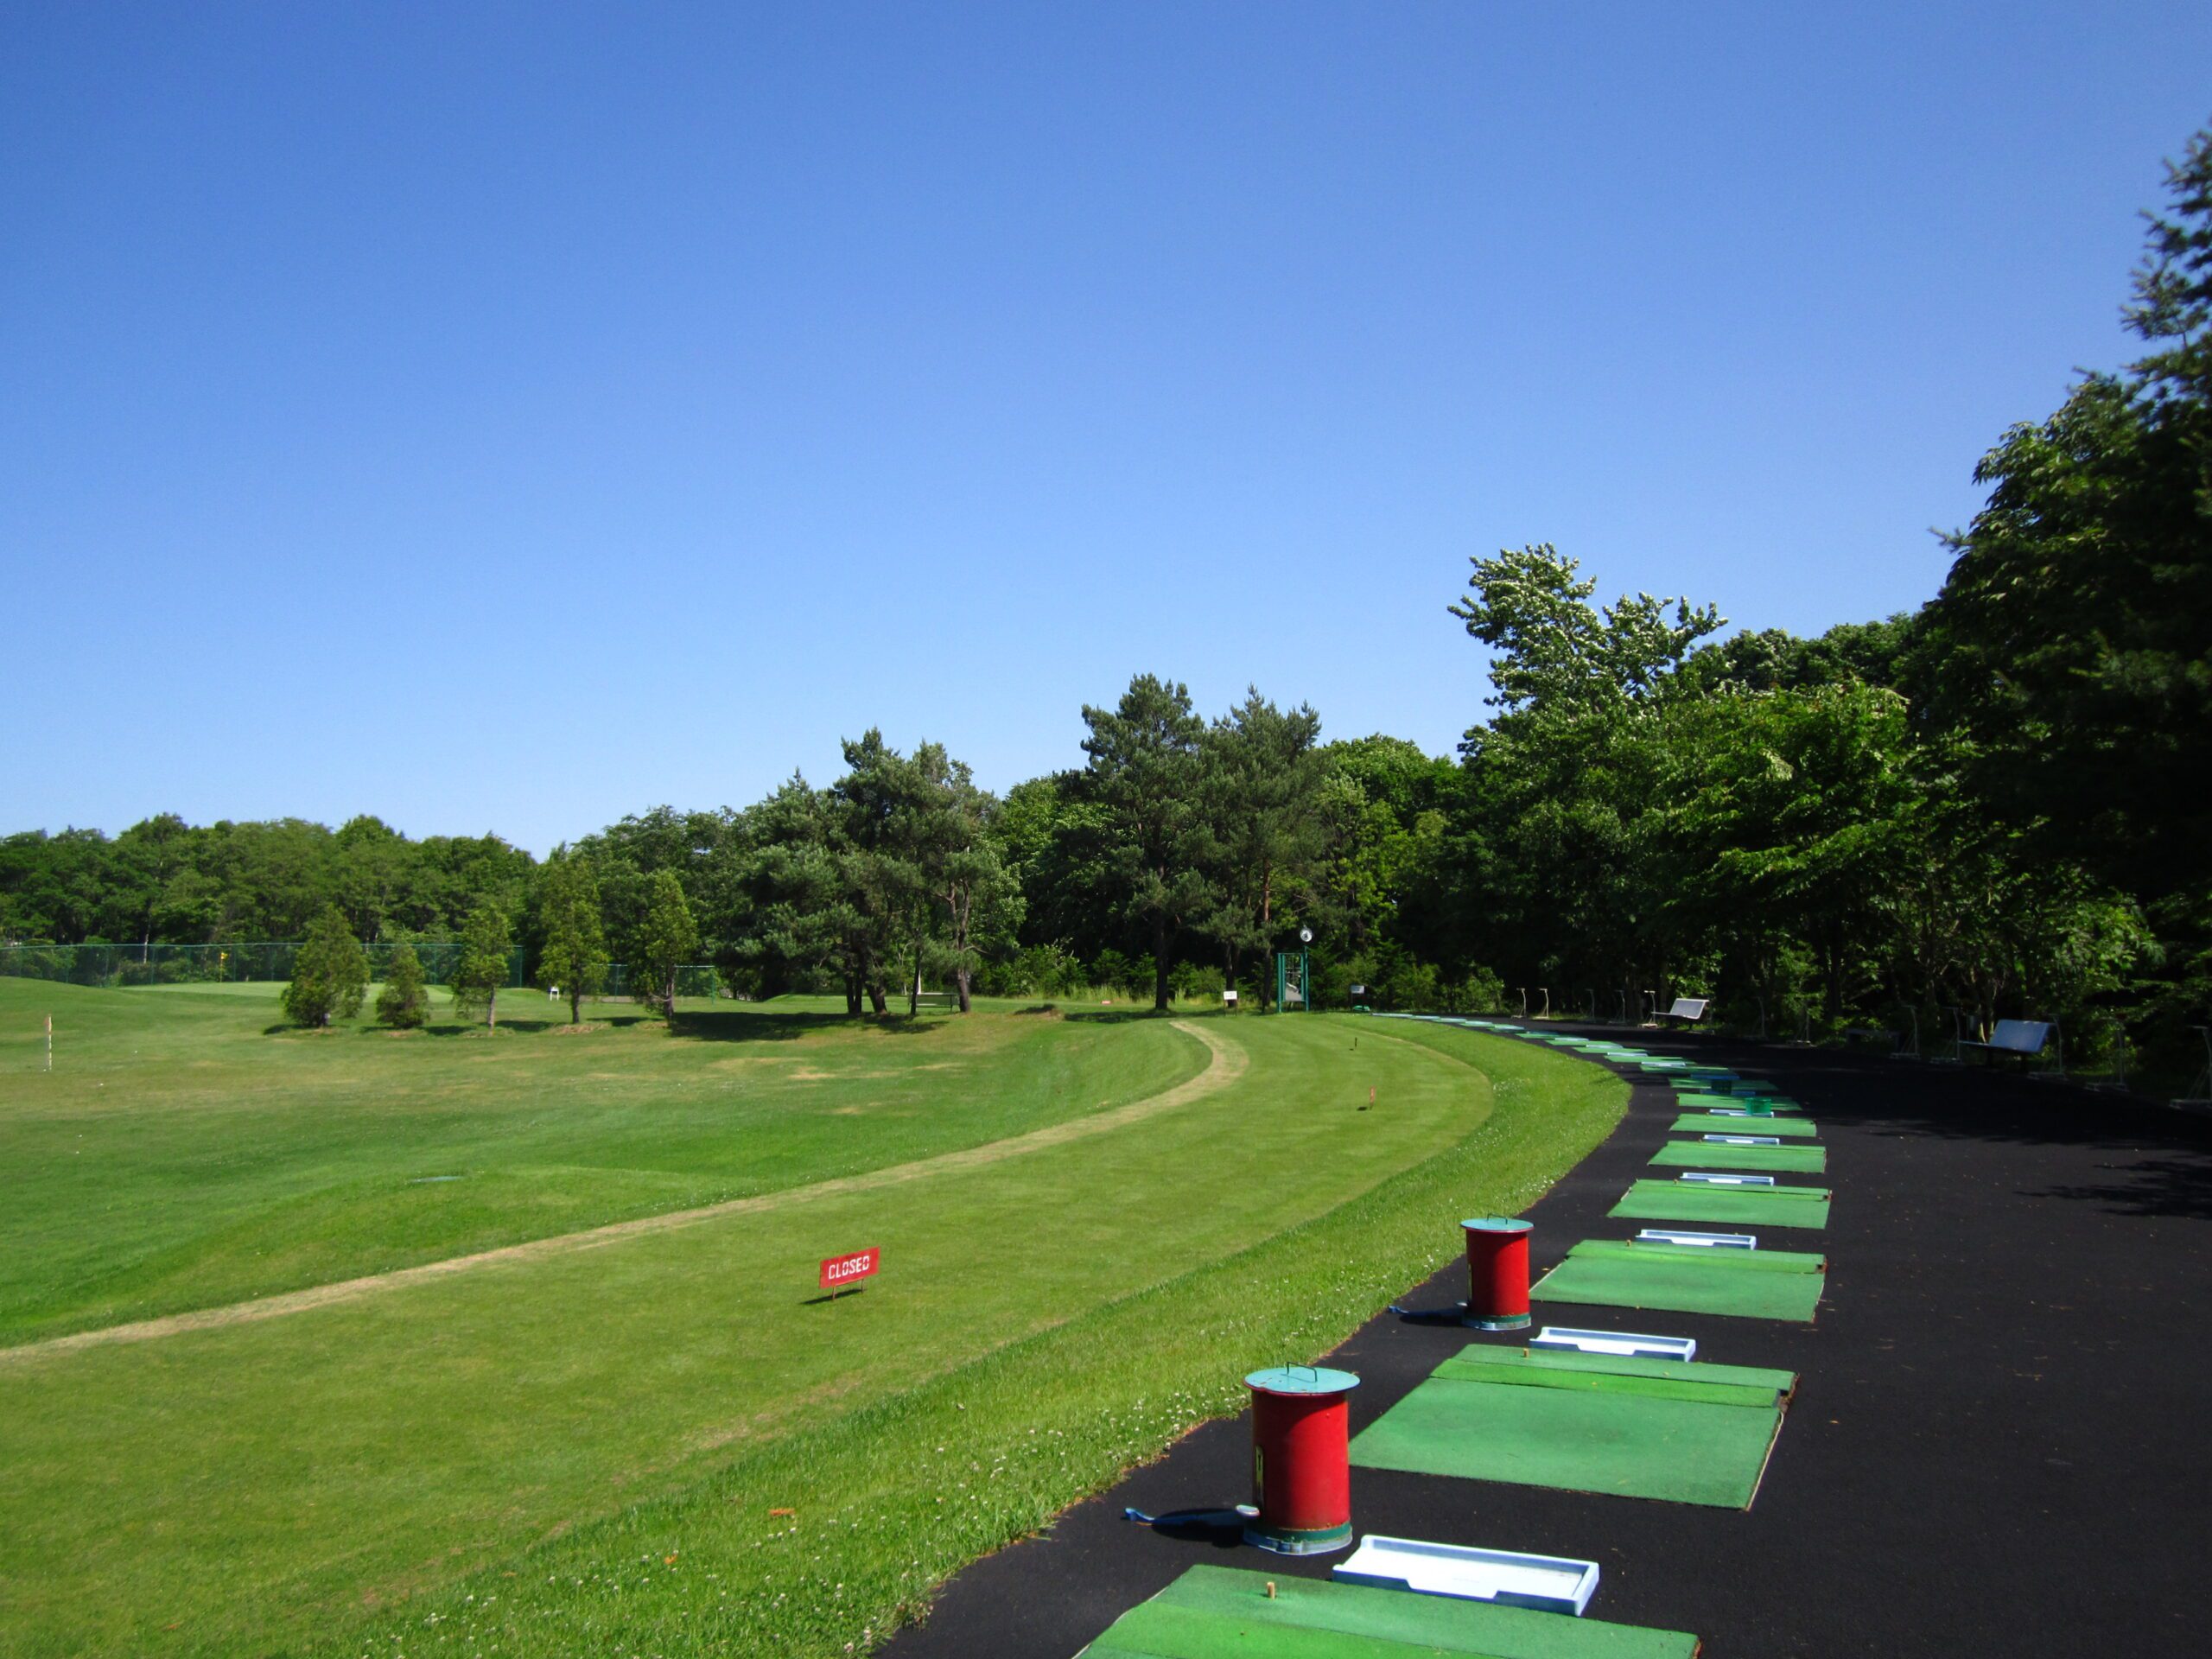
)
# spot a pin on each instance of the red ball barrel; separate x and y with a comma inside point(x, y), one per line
point(1301, 1463)
point(1497, 1274)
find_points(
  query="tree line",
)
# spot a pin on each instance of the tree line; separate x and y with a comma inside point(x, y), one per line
point(1984, 806)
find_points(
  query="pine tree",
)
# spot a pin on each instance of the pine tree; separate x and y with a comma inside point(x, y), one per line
point(403, 1004)
point(1147, 776)
point(483, 966)
point(576, 943)
point(668, 939)
point(330, 973)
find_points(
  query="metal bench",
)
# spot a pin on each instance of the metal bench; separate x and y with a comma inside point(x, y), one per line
point(1687, 1009)
point(2025, 1038)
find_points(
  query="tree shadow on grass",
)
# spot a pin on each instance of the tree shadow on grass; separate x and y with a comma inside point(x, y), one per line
point(455, 1028)
point(1123, 1016)
point(717, 1027)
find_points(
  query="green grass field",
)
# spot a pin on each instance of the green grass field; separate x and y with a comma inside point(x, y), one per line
point(569, 1450)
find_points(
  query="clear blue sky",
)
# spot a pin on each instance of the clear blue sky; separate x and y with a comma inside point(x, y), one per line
point(506, 417)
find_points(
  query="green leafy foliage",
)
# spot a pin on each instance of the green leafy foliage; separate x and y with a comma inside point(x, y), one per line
point(1147, 774)
point(573, 957)
point(403, 1003)
point(330, 974)
point(485, 943)
point(665, 940)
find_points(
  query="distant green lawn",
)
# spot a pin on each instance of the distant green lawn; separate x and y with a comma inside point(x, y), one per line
point(509, 1458)
point(181, 1155)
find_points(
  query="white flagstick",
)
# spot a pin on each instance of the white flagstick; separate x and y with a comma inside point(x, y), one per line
point(49, 1042)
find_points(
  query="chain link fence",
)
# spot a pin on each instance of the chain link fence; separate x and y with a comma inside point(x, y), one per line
point(110, 966)
point(242, 962)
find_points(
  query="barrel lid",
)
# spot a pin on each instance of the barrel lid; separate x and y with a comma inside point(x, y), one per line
point(1497, 1225)
point(1301, 1379)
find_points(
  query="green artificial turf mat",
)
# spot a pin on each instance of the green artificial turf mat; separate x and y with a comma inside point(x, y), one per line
point(1219, 1612)
point(1768, 1206)
point(1704, 1154)
point(1737, 1260)
point(1688, 1279)
point(1714, 1123)
point(1653, 1378)
point(1597, 1439)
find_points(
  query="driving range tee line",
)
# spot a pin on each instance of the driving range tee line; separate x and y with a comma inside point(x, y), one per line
point(1226, 1062)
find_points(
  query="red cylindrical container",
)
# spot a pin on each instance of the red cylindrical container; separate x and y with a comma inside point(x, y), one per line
point(1302, 1463)
point(1497, 1274)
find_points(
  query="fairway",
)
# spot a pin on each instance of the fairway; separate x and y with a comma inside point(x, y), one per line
point(1089, 1227)
point(180, 1158)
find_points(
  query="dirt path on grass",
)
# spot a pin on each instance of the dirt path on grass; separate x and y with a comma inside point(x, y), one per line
point(1226, 1062)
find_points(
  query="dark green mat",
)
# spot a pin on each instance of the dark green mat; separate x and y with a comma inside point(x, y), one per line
point(1703, 1154)
point(1688, 1279)
point(1786, 1124)
point(1770, 1206)
point(1220, 1613)
point(1688, 1433)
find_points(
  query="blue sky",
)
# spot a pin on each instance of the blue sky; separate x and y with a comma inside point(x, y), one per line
point(507, 417)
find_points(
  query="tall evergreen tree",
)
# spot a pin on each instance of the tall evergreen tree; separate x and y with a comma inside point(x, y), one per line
point(786, 918)
point(482, 969)
point(330, 972)
point(403, 1003)
point(1265, 779)
point(874, 807)
point(574, 955)
point(1147, 772)
point(956, 850)
point(666, 939)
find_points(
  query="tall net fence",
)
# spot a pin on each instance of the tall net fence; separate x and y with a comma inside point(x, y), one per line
point(239, 963)
point(253, 961)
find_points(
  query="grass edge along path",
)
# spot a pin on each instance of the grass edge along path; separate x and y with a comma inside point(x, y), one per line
point(1226, 1062)
point(826, 1541)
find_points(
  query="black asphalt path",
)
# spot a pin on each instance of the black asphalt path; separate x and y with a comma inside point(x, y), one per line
point(2001, 1442)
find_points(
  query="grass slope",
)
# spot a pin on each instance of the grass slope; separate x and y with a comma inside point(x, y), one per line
point(182, 1156)
point(581, 1453)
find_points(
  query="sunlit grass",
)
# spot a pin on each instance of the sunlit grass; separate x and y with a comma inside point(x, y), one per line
point(335, 1479)
point(187, 1150)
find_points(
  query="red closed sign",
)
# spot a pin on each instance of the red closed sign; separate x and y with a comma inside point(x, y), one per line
point(838, 1271)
